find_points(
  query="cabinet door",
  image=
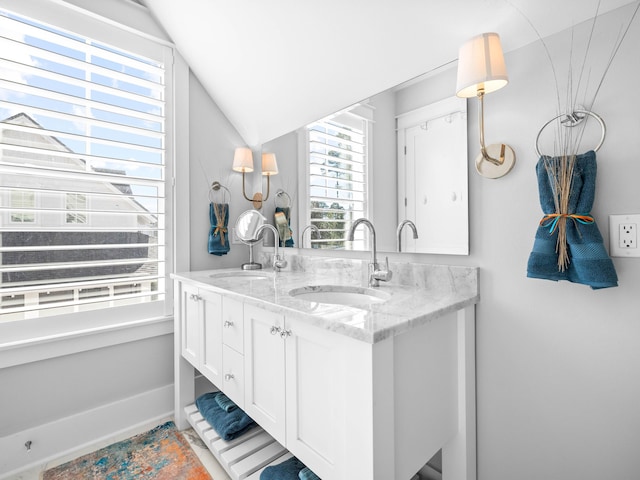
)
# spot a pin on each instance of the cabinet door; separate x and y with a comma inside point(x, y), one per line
point(234, 380)
point(315, 394)
point(264, 370)
point(232, 324)
point(190, 324)
point(211, 354)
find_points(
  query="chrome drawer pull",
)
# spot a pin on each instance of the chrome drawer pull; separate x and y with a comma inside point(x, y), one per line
point(228, 324)
point(228, 376)
point(274, 330)
point(285, 333)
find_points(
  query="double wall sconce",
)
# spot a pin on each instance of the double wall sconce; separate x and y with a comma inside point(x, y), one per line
point(481, 70)
point(243, 162)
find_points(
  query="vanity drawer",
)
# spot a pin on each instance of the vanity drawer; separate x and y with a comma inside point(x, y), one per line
point(233, 378)
point(232, 324)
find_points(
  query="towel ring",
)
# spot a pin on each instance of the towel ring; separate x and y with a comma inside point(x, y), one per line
point(572, 119)
point(282, 199)
point(215, 187)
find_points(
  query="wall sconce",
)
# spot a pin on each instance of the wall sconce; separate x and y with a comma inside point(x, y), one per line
point(481, 70)
point(243, 162)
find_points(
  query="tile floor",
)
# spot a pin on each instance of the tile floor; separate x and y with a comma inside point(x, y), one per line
point(203, 453)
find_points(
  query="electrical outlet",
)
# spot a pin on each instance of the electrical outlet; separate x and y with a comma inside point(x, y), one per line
point(623, 235)
point(628, 235)
point(234, 237)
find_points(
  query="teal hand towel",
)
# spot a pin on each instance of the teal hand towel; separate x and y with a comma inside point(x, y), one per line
point(589, 262)
point(225, 403)
point(287, 470)
point(307, 474)
point(219, 219)
point(228, 425)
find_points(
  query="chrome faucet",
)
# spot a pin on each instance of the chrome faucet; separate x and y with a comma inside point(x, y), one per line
point(399, 233)
point(313, 229)
point(278, 262)
point(375, 273)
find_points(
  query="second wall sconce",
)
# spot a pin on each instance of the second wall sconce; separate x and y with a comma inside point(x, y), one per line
point(243, 162)
point(481, 70)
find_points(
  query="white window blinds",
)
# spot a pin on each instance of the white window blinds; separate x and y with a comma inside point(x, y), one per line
point(337, 178)
point(82, 130)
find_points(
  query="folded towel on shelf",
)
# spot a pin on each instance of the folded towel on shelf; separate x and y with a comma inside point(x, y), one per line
point(589, 262)
point(287, 470)
point(307, 474)
point(219, 219)
point(225, 403)
point(228, 425)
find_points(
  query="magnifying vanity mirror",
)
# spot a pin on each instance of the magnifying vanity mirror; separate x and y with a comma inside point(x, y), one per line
point(247, 224)
point(398, 155)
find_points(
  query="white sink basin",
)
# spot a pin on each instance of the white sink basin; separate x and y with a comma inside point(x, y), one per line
point(243, 274)
point(340, 294)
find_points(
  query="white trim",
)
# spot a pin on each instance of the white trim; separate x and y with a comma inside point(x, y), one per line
point(26, 350)
point(84, 431)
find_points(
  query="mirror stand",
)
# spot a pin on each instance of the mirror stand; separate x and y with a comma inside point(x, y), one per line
point(251, 265)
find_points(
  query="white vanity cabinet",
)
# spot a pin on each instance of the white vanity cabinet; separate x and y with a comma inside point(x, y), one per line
point(295, 385)
point(347, 407)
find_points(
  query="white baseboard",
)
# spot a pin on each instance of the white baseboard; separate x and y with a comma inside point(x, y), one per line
point(84, 430)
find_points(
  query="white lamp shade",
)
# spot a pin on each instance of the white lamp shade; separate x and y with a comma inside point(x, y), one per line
point(269, 164)
point(481, 66)
point(243, 160)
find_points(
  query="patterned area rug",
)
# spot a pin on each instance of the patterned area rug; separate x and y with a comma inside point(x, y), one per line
point(159, 454)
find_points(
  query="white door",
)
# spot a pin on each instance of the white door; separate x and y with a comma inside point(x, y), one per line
point(433, 186)
point(265, 370)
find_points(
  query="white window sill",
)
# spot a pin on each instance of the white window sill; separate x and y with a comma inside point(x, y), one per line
point(20, 349)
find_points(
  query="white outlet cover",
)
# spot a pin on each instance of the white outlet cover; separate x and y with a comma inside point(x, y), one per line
point(615, 247)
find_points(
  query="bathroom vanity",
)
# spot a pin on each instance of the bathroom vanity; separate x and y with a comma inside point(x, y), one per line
point(369, 387)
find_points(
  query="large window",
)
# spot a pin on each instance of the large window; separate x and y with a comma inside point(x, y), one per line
point(337, 178)
point(82, 172)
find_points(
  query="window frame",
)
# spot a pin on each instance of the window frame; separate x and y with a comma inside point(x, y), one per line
point(33, 339)
point(364, 112)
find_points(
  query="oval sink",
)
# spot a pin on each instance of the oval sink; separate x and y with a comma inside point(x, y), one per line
point(243, 274)
point(339, 294)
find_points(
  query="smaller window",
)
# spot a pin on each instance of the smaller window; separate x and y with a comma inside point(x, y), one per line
point(337, 178)
point(23, 200)
point(76, 204)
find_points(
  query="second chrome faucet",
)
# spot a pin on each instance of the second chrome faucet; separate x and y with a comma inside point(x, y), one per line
point(376, 274)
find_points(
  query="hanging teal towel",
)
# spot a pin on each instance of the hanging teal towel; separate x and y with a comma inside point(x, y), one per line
point(589, 262)
point(287, 213)
point(219, 219)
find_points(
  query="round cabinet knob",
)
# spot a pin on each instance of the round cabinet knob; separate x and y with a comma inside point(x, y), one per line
point(228, 376)
point(228, 324)
point(285, 333)
point(274, 330)
point(194, 296)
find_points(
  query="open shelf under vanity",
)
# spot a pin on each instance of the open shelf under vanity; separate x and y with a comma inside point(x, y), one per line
point(243, 458)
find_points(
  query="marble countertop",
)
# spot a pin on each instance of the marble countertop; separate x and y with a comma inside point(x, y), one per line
point(417, 294)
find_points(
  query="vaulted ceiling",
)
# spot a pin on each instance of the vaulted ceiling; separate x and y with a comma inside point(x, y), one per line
point(272, 66)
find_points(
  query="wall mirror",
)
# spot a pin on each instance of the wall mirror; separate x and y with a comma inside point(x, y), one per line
point(417, 170)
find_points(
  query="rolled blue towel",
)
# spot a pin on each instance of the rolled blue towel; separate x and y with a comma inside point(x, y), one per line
point(307, 474)
point(225, 403)
point(287, 470)
point(228, 425)
point(589, 262)
point(219, 218)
